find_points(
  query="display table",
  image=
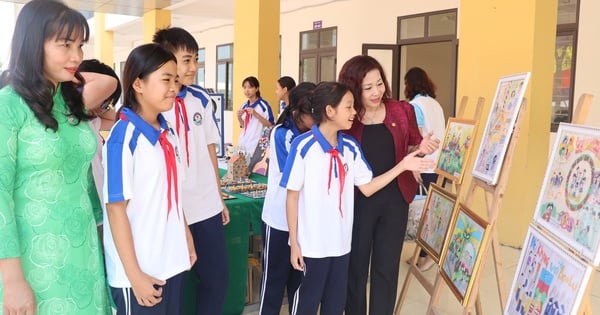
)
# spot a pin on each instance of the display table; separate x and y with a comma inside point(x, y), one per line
point(245, 214)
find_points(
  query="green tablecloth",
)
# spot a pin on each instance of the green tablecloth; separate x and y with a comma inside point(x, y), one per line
point(245, 214)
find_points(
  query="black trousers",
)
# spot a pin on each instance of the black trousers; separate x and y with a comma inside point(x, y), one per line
point(378, 235)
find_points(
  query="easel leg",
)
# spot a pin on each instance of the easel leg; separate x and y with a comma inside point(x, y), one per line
point(409, 274)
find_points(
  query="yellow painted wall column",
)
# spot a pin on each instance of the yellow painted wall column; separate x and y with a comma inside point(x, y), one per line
point(155, 20)
point(103, 40)
point(499, 38)
point(255, 51)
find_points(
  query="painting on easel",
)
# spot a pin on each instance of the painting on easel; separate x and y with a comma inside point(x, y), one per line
point(456, 148)
point(435, 221)
point(462, 253)
point(548, 279)
point(569, 203)
point(498, 130)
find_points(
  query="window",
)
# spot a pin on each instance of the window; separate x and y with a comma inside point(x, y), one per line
point(318, 55)
point(225, 73)
point(201, 76)
point(564, 62)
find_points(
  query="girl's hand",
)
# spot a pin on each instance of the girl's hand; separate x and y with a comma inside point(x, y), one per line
point(412, 162)
point(239, 113)
point(429, 144)
point(190, 244)
point(250, 111)
point(18, 298)
point(225, 215)
point(296, 257)
point(145, 289)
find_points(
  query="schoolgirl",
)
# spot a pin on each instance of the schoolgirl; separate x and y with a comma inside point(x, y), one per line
point(322, 167)
point(253, 116)
point(278, 273)
point(283, 88)
point(147, 242)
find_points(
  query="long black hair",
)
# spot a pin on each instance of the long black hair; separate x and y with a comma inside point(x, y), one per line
point(300, 97)
point(141, 62)
point(38, 22)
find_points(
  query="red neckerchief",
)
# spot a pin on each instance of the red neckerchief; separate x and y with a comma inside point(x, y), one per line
point(246, 119)
point(339, 168)
point(181, 115)
point(171, 165)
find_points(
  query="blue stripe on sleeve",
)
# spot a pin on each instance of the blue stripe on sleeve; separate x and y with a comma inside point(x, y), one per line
point(280, 147)
point(114, 162)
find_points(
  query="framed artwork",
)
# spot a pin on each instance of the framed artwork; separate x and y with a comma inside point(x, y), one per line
point(456, 148)
point(463, 251)
point(435, 220)
point(569, 203)
point(499, 127)
point(548, 279)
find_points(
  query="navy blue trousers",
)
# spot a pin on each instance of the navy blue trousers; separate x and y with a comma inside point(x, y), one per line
point(324, 282)
point(278, 273)
point(171, 304)
point(212, 267)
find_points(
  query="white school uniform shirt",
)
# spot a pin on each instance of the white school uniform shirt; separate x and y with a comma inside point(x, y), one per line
point(273, 213)
point(324, 230)
point(430, 116)
point(201, 197)
point(135, 170)
point(251, 131)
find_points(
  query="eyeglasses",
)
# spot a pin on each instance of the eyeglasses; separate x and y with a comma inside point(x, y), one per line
point(107, 105)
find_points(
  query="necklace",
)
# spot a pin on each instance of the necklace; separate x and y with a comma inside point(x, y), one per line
point(374, 116)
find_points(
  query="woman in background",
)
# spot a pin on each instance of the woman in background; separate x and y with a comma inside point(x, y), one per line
point(282, 91)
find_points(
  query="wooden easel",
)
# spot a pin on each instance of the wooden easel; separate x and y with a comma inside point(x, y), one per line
point(441, 182)
point(493, 200)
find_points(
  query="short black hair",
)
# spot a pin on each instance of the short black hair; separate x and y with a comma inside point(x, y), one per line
point(174, 39)
point(96, 66)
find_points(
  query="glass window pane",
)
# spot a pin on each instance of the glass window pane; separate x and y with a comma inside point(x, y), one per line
point(200, 76)
point(229, 94)
point(201, 55)
point(561, 91)
point(327, 68)
point(221, 77)
point(567, 11)
point(224, 52)
point(309, 70)
point(328, 38)
point(309, 40)
point(442, 24)
point(412, 27)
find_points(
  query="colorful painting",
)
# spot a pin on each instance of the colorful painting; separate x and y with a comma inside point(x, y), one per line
point(548, 279)
point(463, 251)
point(569, 203)
point(435, 220)
point(498, 130)
point(456, 148)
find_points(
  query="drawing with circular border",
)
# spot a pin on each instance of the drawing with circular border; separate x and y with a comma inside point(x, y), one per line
point(569, 203)
point(499, 127)
point(456, 148)
point(463, 251)
point(548, 279)
point(435, 220)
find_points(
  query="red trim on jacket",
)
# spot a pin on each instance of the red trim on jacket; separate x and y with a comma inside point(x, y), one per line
point(401, 121)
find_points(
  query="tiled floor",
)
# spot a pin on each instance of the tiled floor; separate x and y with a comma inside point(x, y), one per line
point(417, 298)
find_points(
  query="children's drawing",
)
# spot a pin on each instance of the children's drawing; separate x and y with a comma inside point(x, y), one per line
point(548, 280)
point(456, 148)
point(569, 203)
point(498, 130)
point(462, 254)
point(435, 221)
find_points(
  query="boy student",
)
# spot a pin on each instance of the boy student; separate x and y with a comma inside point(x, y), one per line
point(204, 208)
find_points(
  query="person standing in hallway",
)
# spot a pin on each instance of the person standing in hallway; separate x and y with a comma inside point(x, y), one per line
point(284, 86)
point(387, 132)
point(420, 91)
point(204, 207)
point(50, 253)
point(278, 274)
point(254, 115)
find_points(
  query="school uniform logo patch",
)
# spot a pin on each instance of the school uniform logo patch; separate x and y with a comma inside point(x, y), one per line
point(346, 167)
point(197, 118)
